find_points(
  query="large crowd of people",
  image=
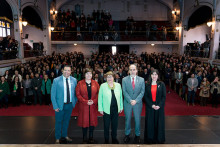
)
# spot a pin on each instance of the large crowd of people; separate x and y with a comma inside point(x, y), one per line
point(175, 72)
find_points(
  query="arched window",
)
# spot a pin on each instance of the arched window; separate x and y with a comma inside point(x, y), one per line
point(5, 27)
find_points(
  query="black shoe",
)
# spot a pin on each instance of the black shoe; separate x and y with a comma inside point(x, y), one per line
point(84, 141)
point(126, 139)
point(106, 142)
point(63, 140)
point(115, 141)
point(137, 140)
point(91, 141)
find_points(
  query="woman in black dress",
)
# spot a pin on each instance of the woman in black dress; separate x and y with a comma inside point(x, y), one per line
point(155, 95)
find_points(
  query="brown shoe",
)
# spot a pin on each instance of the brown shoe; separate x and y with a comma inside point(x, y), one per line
point(57, 141)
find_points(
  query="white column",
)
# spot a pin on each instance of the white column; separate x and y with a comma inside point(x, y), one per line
point(18, 36)
point(47, 31)
point(214, 40)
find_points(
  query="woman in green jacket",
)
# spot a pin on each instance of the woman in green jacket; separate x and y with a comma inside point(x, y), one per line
point(4, 92)
point(110, 104)
point(46, 88)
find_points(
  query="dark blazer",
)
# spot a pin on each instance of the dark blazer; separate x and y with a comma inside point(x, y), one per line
point(36, 82)
point(154, 117)
point(118, 81)
point(57, 73)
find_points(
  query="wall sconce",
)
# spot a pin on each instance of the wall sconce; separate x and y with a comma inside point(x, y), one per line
point(209, 23)
point(174, 12)
point(75, 44)
point(16, 18)
point(53, 12)
point(152, 44)
point(178, 28)
point(52, 28)
point(24, 23)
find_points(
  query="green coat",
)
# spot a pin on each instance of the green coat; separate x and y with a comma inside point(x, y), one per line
point(105, 97)
point(5, 88)
point(48, 86)
point(78, 78)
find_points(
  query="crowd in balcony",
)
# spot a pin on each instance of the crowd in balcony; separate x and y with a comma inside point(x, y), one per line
point(197, 49)
point(99, 26)
point(8, 48)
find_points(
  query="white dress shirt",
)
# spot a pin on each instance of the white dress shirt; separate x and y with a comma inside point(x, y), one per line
point(65, 91)
point(134, 79)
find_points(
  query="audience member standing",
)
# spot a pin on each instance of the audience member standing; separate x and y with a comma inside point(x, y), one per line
point(4, 92)
point(27, 90)
point(204, 91)
point(36, 87)
point(46, 88)
point(16, 91)
point(215, 91)
point(192, 84)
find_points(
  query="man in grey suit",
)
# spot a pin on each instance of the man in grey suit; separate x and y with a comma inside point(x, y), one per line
point(133, 90)
point(192, 84)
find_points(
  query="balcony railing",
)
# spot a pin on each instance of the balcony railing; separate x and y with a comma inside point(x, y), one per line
point(114, 36)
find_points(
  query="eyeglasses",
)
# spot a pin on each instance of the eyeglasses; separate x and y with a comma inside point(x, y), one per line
point(110, 76)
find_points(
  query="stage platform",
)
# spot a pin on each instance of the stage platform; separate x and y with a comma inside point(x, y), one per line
point(37, 130)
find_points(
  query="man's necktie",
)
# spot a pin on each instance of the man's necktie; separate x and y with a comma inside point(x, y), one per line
point(68, 91)
point(133, 84)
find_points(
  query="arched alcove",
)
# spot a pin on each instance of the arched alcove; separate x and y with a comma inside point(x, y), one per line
point(5, 10)
point(200, 16)
point(32, 17)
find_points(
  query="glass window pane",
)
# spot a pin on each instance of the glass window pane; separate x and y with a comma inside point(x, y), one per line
point(4, 32)
point(0, 23)
point(1, 32)
point(3, 24)
point(8, 25)
point(8, 32)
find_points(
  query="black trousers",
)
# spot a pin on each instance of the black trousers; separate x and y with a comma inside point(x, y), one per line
point(47, 99)
point(16, 100)
point(37, 94)
point(113, 120)
point(215, 98)
point(85, 130)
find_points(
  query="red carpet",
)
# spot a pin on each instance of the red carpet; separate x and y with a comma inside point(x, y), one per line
point(174, 106)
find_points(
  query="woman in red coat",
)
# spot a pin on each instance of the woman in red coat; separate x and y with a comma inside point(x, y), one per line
point(87, 94)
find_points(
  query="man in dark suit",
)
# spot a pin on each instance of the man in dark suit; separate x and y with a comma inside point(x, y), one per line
point(145, 75)
point(36, 86)
point(57, 71)
point(63, 98)
point(122, 74)
point(117, 78)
